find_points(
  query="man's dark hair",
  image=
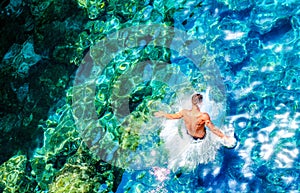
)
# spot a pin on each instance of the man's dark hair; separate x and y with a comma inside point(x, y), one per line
point(197, 99)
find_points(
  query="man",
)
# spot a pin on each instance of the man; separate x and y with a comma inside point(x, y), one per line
point(195, 121)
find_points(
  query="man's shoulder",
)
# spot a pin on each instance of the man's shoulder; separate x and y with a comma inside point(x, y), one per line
point(205, 116)
point(183, 111)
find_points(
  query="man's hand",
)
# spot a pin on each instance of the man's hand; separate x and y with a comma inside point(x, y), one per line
point(159, 114)
point(229, 142)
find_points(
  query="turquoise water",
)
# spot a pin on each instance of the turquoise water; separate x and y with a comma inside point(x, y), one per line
point(255, 45)
point(82, 79)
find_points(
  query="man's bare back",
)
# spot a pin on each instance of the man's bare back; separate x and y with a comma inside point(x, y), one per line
point(194, 123)
point(195, 120)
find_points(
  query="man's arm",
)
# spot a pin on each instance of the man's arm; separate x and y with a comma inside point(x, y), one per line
point(212, 127)
point(178, 115)
point(227, 141)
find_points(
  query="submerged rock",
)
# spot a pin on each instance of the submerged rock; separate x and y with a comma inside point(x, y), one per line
point(14, 175)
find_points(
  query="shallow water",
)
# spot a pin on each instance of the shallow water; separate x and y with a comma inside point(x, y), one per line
point(242, 55)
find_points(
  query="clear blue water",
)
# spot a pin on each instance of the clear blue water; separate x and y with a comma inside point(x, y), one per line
point(256, 47)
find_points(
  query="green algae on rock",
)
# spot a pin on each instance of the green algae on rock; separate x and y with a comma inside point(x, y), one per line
point(14, 177)
point(64, 164)
point(81, 177)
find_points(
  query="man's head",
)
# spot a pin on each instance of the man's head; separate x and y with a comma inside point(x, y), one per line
point(197, 99)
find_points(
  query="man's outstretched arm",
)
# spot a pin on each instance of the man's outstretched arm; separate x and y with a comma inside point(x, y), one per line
point(214, 129)
point(229, 142)
point(211, 126)
point(178, 115)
